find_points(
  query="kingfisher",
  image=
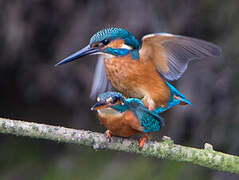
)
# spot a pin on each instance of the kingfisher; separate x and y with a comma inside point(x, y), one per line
point(126, 116)
point(141, 69)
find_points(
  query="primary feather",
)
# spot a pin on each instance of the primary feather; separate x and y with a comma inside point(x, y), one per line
point(172, 53)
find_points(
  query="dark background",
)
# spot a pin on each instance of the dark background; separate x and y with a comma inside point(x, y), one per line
point(36, 34)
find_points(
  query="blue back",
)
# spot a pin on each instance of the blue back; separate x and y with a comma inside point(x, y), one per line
point(147, 119)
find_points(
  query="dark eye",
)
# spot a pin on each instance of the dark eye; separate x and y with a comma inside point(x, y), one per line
point(105, 41)
point(96, 45)
point(114, 100)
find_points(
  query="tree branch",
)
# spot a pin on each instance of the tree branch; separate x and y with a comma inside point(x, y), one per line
point(206, 157)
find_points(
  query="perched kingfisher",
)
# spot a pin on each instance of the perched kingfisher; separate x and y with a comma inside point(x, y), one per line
point(141, 70)
point(126, 117)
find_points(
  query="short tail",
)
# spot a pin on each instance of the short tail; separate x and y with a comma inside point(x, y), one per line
point(175, 98)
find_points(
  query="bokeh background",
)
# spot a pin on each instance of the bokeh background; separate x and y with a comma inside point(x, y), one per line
point(35, 34)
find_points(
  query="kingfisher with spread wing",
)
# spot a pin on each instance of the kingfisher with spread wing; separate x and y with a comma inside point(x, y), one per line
point(141, 70)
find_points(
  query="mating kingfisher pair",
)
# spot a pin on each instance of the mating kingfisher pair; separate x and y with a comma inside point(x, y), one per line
point(139, 71)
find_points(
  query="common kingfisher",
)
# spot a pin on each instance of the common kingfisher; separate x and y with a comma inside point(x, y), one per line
point(140, 70)
point(126, 117)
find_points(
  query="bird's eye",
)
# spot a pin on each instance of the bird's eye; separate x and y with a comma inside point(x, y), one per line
point(105, 41)
point(96, 45)
point(114, 100)
point(101, 43)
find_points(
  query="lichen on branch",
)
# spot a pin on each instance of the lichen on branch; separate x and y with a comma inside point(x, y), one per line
point(206, 157)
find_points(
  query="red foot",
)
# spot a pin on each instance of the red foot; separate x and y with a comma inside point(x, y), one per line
point(142, 141)
point(108, 135)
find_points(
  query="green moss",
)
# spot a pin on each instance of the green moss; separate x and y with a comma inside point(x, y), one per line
point(35, 128)
point(4, 125)
point(50, 130)
point(73, 134)
point(133, 147)
point(167, 149)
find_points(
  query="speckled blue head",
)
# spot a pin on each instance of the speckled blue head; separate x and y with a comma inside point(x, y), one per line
point(110, 94)
point(115, 33)
point(110, 99)
point(104, 37)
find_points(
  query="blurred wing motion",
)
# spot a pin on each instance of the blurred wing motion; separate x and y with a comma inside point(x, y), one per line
point(100, 81)
point(172, 53)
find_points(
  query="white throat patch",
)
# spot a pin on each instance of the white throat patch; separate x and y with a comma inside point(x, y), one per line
point(104, 55)
point(108, 111)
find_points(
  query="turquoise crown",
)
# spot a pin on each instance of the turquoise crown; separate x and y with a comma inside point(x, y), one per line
point(115, 33)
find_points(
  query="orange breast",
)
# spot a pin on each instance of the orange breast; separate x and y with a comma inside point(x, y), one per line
point(123, 124)
point(136, 79)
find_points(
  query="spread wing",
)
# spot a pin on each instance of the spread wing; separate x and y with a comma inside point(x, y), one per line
point(100, 82)
point(172, 53)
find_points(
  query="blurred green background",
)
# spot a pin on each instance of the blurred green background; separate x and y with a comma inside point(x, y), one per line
point(35, 34)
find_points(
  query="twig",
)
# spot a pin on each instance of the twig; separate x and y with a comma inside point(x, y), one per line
point(206, 157)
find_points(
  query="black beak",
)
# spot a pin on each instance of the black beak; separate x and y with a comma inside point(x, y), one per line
point(83, 52)
point(98, 105)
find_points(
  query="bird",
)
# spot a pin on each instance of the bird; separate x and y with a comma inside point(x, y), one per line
point(126, 116)
point(142, 69)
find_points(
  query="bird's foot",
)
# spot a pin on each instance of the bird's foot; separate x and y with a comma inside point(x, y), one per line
point(142, 141)
point(108, 135)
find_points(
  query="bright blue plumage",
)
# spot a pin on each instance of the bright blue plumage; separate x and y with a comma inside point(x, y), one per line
point(147, 119)
point(172, 101)
point(128, 116)
point(115, 33)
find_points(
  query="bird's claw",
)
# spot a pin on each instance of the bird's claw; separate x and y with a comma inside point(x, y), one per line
point(142, 141)
point(108, 135)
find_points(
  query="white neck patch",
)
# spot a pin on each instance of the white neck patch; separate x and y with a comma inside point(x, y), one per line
point(124, 46)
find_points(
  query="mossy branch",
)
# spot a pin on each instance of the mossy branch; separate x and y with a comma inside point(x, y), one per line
point(206, 157)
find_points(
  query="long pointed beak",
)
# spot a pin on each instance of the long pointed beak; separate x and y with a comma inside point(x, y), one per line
point(98, 106)
point(83, 52)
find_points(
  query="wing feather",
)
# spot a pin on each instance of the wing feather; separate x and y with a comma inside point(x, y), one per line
point(149, 120)
point(100, 83)
point(172, 53)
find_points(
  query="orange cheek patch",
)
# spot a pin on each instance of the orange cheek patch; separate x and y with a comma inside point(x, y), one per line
point(116, 43)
